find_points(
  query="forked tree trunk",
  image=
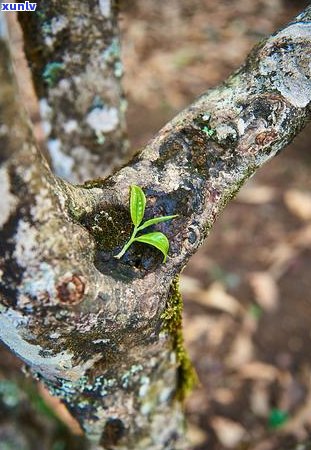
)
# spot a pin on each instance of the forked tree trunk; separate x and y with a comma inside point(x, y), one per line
point(105, 334)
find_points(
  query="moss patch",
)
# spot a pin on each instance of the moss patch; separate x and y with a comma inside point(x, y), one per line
point(110, 226)
point(172, 324)
point(96, 183)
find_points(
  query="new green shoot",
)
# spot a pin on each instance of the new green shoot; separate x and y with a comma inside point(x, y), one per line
point(137, 210)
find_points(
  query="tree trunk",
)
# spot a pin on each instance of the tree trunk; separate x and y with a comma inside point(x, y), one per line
point(105, 334)
point(76, 70)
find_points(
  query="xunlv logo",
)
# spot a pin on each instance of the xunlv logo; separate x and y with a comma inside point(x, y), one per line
point(27, 6)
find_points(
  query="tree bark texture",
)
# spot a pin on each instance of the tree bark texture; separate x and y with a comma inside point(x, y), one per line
point(105, 334)
point(73, 50)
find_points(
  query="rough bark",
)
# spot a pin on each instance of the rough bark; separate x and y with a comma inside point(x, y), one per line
point(73, 51)
point(104, 334)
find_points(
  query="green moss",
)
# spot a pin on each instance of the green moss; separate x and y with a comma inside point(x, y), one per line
point(82, 345)
point(110, 226)
point(96, 183)
point(172, 324)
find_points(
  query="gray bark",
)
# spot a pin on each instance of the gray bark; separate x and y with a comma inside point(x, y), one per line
point(73, 50)
point(104, 334)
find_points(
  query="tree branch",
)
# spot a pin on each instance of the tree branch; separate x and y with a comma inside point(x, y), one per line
point(199, 160)
point(73, 50)
point(104, 333)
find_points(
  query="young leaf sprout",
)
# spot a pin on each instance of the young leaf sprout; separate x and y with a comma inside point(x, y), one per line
point(137, 210)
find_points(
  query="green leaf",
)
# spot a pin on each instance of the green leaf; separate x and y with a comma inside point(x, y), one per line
point(137, 205)
point(156, 220)
point(158, 240)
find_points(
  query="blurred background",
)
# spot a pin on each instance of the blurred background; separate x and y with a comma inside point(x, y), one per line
point(247, 292)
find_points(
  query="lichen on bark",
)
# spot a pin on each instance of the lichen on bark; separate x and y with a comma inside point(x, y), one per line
point(73, 50)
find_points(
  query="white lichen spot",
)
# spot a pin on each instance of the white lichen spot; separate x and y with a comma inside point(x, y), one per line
point(101, 341)
point(206, 116)
point(26, 246)
point(43, 280)
point(165, 394)
point(172, 175)
point(241, 127)
point(70, 126)
point(58, 24)
point(145, 383)
point(62, 163)
point(173, 358)
point(129, 375)
point(64, 84)
point(290, 71)
point(50, 29)
point(146, 408)
point(49, 41)
point(8, 201)
point(43, 205)
point(225, 131)
point(103, 120)
point(46, 112)
point(105, 7)
point(55, 335)
point(118, 69)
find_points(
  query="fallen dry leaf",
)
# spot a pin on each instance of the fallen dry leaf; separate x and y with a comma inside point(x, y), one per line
point(229, 433)
point(268, 444)
point(216, 297)
point(298, 203)
point(256, 195)
point(189, 285)
point(241, 351)
point(202, 326)
point(257, 370)
point(224, 396)
point(280, 258)
point(195, 435)
point(265, 289)
point(194, 328)
point(260, 399)
point(302, 419)
point(302, 238)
